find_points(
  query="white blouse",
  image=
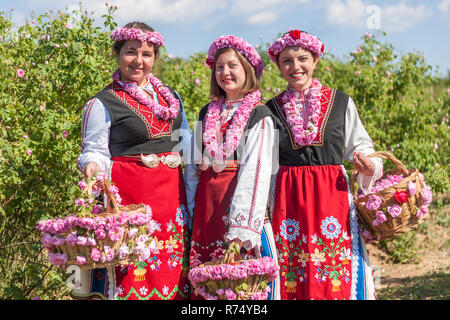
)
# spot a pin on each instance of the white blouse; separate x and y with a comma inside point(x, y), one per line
point(250, 197)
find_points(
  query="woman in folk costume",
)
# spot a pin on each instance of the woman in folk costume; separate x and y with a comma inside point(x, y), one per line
point(129, 132)
point(228, 184)
point(321, 253)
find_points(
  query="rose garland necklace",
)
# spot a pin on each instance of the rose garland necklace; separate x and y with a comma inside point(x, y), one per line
point(303, 121)
point(218, 149)
point(166, 113)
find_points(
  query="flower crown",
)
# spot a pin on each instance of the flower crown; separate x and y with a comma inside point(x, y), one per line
point(296, 38)
point(240, 45)
point(137, 34)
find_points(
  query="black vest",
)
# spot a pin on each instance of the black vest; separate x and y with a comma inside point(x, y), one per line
point(259, 112)
point(130, 134)
point(330, 151)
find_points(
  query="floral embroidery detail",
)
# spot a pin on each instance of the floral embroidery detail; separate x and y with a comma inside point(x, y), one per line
point(331, 259)
point(290, 229)
point(292, 259)
point(330, 227)
point(181, 216)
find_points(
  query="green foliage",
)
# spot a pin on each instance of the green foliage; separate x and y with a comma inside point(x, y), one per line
point(402, 105)
point(65, 62)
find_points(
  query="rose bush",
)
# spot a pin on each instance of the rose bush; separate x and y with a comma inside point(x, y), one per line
point(54, 63)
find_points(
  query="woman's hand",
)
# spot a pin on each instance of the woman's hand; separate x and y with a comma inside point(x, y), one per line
point(363, 164)
point(91, 168)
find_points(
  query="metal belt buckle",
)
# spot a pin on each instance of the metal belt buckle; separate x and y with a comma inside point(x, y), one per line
point(151, 161)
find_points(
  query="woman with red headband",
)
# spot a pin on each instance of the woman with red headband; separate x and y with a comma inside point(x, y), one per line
point(322, 255)
point(129, 133)
point(228, 185)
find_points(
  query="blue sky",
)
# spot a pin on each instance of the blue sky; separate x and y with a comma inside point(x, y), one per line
point(191, 25)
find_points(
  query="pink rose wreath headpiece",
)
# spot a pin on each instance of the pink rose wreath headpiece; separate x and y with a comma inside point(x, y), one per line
point(296, 38)
point(245, 48)
point(120, 34)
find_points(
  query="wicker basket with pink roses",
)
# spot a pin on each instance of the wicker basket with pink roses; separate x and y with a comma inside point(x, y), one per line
point(233, 278)
point(398, 202)
point(96, 236)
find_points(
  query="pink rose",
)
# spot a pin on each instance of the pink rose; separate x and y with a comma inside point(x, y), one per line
point(100, 234)
point(96, 254)
point(394, 210)
point(79, 202)
point(381, 217)
point(373, 203)
point(412, 188)
point(109, 254)
point(124, 251)
point(20, 73)
point(116, 233)
point(423, 210)
point(72, 239)
point(81, 260)
point(427, 195)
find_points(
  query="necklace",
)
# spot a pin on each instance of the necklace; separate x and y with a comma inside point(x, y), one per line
point(212, 138)
point(166, 113)
point(303, 121)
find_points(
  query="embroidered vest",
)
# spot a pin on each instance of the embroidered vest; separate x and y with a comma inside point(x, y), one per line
point(134, 127)
point(259, 112)
point(327, 147)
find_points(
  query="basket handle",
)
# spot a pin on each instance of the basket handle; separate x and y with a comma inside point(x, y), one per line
point(111, 201)
point(379, 154)
point(232, 254)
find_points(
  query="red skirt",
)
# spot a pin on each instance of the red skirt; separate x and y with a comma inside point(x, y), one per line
point(212, 208)
point(164, 275)
point(311, 223)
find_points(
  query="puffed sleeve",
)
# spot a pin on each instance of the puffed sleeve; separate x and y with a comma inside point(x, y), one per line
point(249, 201)
point(95, 126)
point(358, 140)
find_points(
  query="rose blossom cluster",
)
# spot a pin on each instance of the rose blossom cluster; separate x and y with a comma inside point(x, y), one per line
point(374, 202)
point(88, 230)
point(262, 267)
point(218, 149)
point(296, 38)
point(245, 48)
point(120, 34)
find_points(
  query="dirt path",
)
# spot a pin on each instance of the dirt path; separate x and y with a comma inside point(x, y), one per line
point(428, 278)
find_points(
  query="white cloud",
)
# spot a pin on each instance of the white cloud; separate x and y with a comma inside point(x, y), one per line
point(394, 18)
point(444, 6)
point(162, 11)
point(263, 11)
point(402, 17)
point(262, 17)
point(349, 14)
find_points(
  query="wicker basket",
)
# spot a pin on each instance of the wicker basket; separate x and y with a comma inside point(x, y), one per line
point(407, 220)
point(217, 283)
point(113, 209)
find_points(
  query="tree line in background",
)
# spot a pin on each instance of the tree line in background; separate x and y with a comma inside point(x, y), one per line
point(53, 64)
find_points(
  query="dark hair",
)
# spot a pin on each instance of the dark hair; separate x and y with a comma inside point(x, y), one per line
point(136, 25)
point(251, 79)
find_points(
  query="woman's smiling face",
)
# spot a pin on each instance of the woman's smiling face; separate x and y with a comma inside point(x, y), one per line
point(230, 74)
point(136, 61)
point(297, 66)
